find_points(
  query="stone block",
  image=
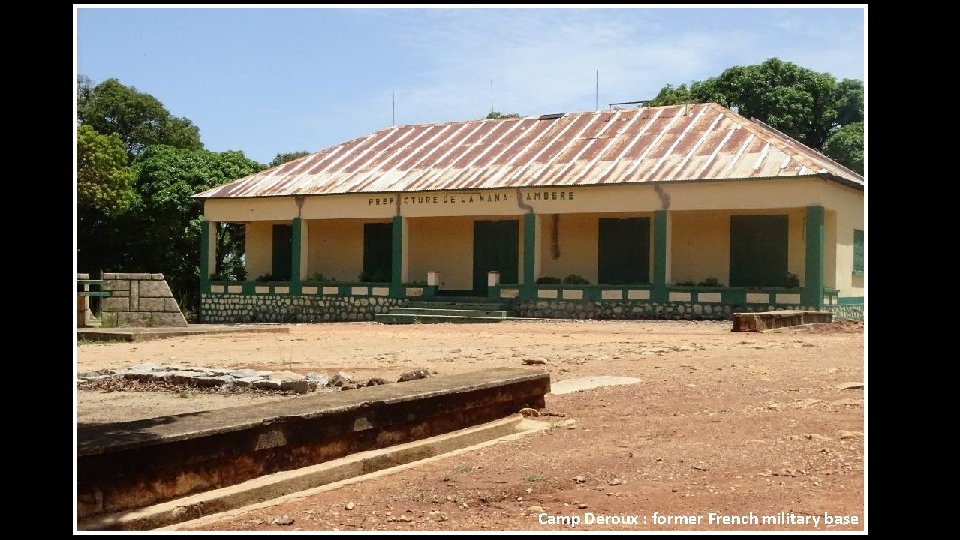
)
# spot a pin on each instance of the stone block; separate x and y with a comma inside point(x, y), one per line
point(308, 290)
point(381, 291)
point(712, 297)
point(331, 290)
point(115, 304)
point(611, 295)
point(547, 293)
point(638, 294)
point(116, 285)
point(280, 289)
point(156, 289)
point(573, 294)
point(234, 289)
point(170, 304)
point(216, 288)
point(151, 304)
point(359, 291)
point(134, 295)
point(675, 296)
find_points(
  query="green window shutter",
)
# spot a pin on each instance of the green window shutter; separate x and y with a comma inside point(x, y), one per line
point(857, 251)
point(282, 251)
point(758, 251)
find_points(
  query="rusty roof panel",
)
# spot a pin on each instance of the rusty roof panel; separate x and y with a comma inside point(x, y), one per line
point(652, 144)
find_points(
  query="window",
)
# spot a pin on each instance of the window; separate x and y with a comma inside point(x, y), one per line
point(758, 251)
point(858, 252)
point(623, 251)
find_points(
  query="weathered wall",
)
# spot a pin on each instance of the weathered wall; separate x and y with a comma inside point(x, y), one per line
point(240, 308)
point(139, 300)
point(335, 248)
point(633, 309)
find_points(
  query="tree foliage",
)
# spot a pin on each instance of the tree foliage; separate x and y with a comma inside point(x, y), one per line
point(161, 232)
point(802, 103)
point(139, 119)
point(494, 115)
point(280, 159)
point(104, 181)
point(846, 146)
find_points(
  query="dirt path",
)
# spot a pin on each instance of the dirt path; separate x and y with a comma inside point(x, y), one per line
point(722, 422)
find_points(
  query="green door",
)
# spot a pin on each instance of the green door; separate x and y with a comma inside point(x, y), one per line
point(758, 251)
point(623, 251)
point(378, 252)
point(282, 252)
point(496, 246)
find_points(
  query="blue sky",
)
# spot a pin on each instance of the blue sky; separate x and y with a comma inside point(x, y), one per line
point(266, 81)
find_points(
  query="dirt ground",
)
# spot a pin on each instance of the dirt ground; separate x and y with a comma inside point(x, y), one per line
point(723, 424)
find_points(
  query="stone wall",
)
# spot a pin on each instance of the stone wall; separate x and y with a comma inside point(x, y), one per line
point(139, 300)
point(854, 312)
point(276, 308)
point(84, 315)
point(632, 309)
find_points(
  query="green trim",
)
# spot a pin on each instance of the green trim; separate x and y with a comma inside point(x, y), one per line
point(396, 266)
point(204, 256)
point(850, 301)
point(812, 293)
point(295, 255)
point(858, 252)
point(528, 291)
point(658, 293)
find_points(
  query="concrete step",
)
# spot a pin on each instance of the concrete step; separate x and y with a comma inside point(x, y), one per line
point(128, 465)
point(456, 312)
point(407, 318)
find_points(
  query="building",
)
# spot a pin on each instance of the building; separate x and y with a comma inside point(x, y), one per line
point(683, 211)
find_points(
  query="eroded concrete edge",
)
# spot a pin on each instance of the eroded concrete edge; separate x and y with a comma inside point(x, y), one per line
point(194, 510)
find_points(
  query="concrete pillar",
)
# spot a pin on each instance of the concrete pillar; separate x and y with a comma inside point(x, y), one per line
point(661, 256)
point(208, 253)
point(811, 294)
point(399, 267)
point(528, 289)
point(297, 255)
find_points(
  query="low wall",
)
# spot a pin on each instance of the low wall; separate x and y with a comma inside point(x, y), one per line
point(138, 300)
point(281, 308)
point(128, 465)
point(850, 312)
point(633, 309)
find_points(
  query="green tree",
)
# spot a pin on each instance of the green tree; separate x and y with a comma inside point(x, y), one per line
point(806, 105)
point(494, 115)
point(161, 231)
point(138, 118)
point(104, 181)
point(280, 159)
point(846, 146)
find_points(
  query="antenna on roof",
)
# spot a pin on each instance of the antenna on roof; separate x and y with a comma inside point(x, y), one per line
point(393, 111)
point(597, 106)
point(491, 95)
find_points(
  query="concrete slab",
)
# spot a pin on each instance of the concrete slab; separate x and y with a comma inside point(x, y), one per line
point(216, 504)
point(147, 333)
point(128, 465)
point(568, 386)
point(768, 320)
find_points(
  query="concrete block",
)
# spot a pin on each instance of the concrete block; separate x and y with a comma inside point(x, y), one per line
point(152, 304)
point(113, 303)
point(611, 295)
point(155, 289)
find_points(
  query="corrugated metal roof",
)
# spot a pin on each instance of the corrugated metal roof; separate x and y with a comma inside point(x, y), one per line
point(650, 144)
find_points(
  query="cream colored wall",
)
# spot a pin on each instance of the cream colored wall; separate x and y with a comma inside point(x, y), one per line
point(700, 246)
point(700, 243)
point(844, 213)
point(442, 245)
point(577, 235)
point(849, 216)
point(258, 248)
point(336, 248)
point(753, 194)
